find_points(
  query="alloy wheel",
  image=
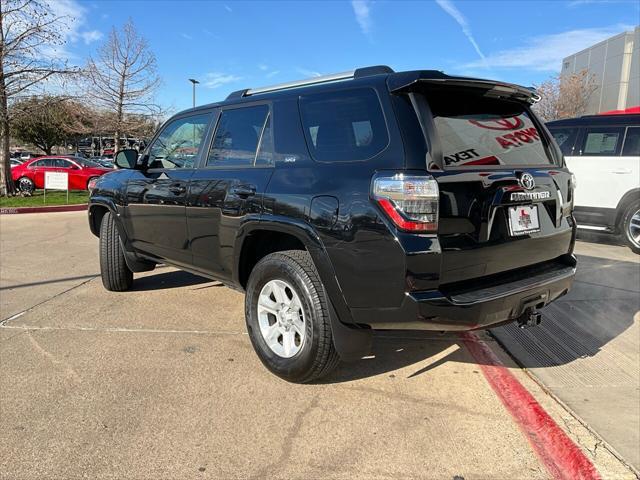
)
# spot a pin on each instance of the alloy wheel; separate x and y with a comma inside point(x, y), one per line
point(281, 318)
point(633, 229)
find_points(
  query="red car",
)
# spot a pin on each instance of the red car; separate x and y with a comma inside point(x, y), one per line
point(30, 175)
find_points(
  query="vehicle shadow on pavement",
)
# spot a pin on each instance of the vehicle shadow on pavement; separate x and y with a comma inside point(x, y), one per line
point(393, 351)
point(53, 280)
point(600, 307)
point(170, 279)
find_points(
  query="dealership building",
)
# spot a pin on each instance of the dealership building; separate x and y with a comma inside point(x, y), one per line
point(614, 64)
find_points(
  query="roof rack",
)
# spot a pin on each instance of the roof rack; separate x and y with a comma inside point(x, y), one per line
point(357, 73)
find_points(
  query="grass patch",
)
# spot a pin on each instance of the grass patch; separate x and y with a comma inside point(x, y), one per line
point(54, 197)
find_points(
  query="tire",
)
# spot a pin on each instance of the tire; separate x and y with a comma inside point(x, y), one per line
point(25, 184)
point(116, 275)
point(630, 226)
point(310, 357)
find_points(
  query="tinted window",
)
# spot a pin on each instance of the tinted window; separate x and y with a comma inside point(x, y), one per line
point(62, 163)
point(43, 163)
point(236, 140)
point(602, 141)
point(344, 126)
point(632, 142)
point(86, 163)
point(565, 138)
point(179, 143)
point(477, 130)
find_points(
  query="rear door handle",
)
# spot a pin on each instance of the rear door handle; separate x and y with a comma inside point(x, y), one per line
point(177, 189)
point(244, 191)
point(622, 171)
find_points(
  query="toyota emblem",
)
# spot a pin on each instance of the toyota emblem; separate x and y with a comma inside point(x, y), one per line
point(526, 181)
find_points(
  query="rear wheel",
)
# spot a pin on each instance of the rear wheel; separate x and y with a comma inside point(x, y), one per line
point(288, 319)
point(25, 184)
point(630, 226)
point(116, 275)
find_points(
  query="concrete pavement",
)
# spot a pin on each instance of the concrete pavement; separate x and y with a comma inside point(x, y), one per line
point(587, 349)
point(161, 382)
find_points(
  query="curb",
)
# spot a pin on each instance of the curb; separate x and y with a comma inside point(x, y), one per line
point(562, 458)
point(43, 209)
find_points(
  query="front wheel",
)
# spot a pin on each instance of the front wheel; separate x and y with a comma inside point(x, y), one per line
point(631, 226)
point(25, 184)
point(115, 273)
point(287, 317)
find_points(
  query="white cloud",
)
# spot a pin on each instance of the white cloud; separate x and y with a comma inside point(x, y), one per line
point(308, 73)
point(545, 52)
point(263, 67)
point(186, 36)
point(228, 8)
point(363, 15)
point(452, 10)
point(73, 17)
point(217, 79)
point(273, 73)
point(91, 36)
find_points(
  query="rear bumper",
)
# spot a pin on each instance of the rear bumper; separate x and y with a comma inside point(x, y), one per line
point(498, 300)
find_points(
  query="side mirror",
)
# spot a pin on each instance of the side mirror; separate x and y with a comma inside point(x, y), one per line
point(126, 158)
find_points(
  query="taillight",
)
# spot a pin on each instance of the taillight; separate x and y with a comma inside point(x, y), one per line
point(92, 184)
point(411, 202)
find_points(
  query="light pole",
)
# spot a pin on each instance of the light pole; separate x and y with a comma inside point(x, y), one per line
point(194, 81)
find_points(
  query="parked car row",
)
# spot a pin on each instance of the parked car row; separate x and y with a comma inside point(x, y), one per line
point(29, 175)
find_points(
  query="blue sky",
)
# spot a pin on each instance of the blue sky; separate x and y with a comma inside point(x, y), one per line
point(230, 45)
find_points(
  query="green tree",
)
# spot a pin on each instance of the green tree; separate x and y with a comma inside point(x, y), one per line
point(47, 121)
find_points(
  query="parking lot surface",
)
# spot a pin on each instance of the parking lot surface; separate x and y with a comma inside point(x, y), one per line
point(587, 348)
point(162, 382)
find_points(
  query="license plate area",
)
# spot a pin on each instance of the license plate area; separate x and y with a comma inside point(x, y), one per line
point(523, 219)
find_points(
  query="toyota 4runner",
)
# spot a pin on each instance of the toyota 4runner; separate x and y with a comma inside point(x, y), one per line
point(349, 203)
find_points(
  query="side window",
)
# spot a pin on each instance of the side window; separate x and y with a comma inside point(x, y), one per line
point(235, 143)
point(565, 138)
point(179, 143)
point(62, 163)
point(344, 126)
point(43, 163)
point(632, 142)
point(602, 141)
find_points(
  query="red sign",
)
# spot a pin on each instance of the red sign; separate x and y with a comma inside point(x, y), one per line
point(509, 123)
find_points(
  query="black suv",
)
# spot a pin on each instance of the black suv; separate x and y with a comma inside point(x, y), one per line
point(348, 203)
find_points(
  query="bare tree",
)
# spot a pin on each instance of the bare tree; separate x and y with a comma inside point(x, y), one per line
point(123, 79)
point(27, 29)
point(565, 96)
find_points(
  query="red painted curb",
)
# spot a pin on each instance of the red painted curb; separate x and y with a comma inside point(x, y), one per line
point(561, 456)
point(51, 208)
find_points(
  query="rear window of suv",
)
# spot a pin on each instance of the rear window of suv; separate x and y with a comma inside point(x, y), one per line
point(476, 130)
point(344, 126)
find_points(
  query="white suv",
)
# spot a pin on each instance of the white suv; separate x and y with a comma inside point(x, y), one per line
point(603, 152)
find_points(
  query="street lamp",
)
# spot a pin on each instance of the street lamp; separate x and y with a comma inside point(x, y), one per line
point(194, 81)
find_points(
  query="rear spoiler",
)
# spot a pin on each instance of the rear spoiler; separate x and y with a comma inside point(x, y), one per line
point(410, 81)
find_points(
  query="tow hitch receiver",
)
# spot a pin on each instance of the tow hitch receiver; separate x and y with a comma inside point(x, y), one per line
point(530, 318)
